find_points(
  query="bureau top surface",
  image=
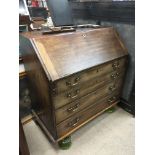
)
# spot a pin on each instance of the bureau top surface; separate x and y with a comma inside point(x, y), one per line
point(69, 53)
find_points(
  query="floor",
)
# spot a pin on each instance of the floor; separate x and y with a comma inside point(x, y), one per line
point(109, 134)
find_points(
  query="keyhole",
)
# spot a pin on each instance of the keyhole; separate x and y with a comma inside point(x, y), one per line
point(84, 35)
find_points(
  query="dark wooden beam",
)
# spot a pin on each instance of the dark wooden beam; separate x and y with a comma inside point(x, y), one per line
point(116, 11)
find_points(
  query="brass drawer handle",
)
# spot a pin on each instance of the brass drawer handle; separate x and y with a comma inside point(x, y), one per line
point(111, 99)
point(74, 122)
point(68, 83)
point(114, 76)
point(117, 74)
point(74, 96)
point(74, 108)
point(112, 88)
point(115, 65)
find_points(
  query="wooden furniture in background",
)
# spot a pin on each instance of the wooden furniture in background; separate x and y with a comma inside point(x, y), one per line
point(37, 22)
point(75, 76)
point(25, 20)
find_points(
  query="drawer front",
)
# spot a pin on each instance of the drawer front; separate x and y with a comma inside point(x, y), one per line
point(84, 102)
point(76, 93)
point(73, 122)
point(82, 77)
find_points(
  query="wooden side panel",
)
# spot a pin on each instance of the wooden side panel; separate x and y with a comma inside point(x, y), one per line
point(40, 86)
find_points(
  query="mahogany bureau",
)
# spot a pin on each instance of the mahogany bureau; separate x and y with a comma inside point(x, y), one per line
point(75, 76)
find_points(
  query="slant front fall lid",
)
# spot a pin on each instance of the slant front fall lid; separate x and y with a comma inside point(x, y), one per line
point(68, 53)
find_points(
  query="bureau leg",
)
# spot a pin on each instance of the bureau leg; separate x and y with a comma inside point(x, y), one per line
point(65, 143)
point(110, 110)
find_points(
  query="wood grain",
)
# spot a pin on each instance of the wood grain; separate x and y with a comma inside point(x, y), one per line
point(46, 131)
point(39, 85)
point(58, 64)
point(64, 127)
point(85, 77)
point(81, 49)
point(86, 101)
point(82, 90)
point(46, 60)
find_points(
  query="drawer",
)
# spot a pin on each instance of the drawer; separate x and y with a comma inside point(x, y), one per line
point(86, 101)
point(79, 91)
point(84, 76)
point(76, 120)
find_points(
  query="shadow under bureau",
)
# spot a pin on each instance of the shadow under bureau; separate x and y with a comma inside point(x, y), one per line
point(74, 76)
